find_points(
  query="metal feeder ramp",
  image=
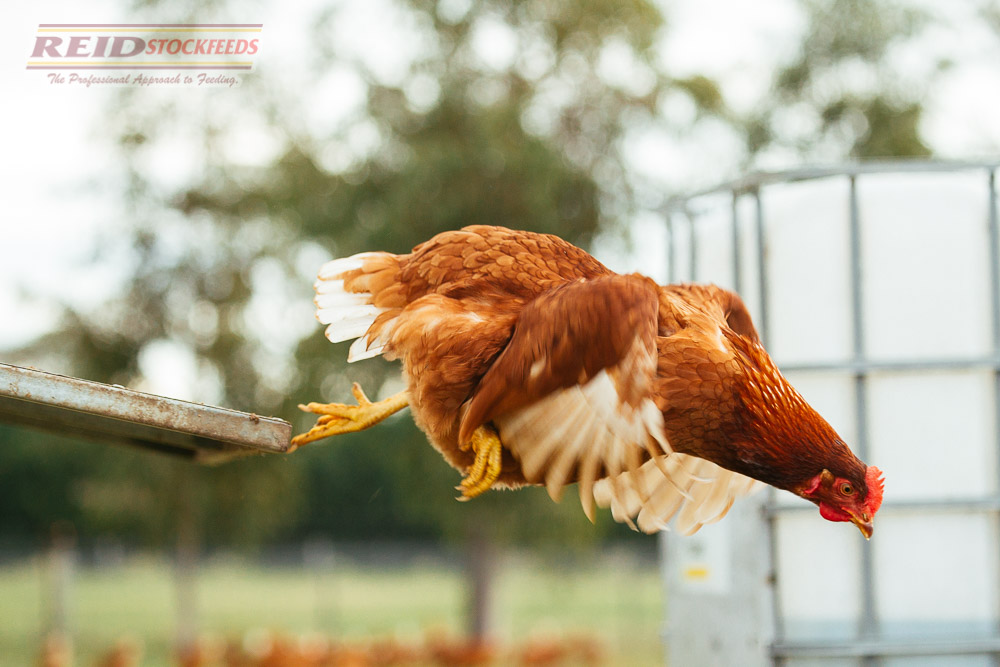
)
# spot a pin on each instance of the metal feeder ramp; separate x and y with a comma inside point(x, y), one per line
point(113, 414)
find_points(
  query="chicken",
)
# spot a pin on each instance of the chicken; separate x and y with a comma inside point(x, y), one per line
point(470, 652)
point(57, 651)
point(126, 652)
point(527, 361)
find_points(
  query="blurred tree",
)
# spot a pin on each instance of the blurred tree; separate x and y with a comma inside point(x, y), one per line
point(224, 262)
point(844, 94)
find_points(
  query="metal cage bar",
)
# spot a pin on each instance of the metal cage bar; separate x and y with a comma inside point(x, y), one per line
point(737, 246)
point(763, 285)
point(868, 623)
point(993, 235)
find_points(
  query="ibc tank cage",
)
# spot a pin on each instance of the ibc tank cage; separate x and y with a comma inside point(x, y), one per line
point(876, 289)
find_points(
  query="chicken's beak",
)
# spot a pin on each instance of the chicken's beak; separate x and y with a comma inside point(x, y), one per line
point(864, 524)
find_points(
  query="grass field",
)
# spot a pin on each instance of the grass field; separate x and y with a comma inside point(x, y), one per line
point(617, 601)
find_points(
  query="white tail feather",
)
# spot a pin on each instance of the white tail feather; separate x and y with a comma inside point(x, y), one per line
point(339, 299)
point(331, 286)
point(347, 330)
point(363, 349)
point(338, 267)
point(347, 314)
point(366, 313)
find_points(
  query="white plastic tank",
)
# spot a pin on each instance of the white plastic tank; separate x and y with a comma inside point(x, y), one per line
point(877, 291)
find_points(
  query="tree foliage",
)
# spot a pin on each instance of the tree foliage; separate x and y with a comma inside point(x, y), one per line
point(843, 91)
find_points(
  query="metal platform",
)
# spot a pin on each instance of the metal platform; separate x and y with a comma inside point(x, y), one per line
point(116, 415)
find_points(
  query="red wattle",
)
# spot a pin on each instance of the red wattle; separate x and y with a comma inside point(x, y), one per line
point(831, 513)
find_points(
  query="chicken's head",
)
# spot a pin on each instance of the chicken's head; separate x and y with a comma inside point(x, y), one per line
point(846, 499)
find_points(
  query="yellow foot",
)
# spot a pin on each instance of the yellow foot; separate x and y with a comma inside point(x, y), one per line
point(486, 468)
point(337, 418)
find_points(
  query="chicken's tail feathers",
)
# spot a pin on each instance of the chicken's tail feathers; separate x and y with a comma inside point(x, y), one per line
point(346, 301)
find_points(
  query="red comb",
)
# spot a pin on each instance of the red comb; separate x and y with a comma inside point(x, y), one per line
point(875, 483)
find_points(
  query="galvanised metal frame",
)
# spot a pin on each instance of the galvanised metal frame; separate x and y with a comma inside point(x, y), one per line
point(73, 407)
point(869, 646)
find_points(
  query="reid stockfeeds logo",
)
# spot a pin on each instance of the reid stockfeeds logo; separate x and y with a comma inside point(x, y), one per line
point(145, 54)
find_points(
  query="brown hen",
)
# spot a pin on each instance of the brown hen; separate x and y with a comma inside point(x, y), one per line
point(527, 361)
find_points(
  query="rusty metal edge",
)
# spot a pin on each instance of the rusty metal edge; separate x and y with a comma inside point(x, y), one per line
point(245, 430)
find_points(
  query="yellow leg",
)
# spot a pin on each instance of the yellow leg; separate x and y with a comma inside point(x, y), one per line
point(486, 468)
point(337, 418)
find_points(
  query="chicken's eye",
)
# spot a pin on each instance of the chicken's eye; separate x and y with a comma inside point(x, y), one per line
point(846, 489)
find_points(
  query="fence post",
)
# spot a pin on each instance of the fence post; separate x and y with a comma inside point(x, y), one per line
point(61, 561)
point(186, 563)
point(479, 583)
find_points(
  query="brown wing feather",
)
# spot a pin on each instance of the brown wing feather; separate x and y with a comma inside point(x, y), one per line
point(679, 303)
point(737, 316)
point(566, 337)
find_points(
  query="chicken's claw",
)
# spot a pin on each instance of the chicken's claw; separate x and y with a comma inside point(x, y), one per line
point(485, 469)
point(337, 418)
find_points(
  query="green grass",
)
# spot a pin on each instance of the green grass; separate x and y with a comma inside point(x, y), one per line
point(617, 601)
